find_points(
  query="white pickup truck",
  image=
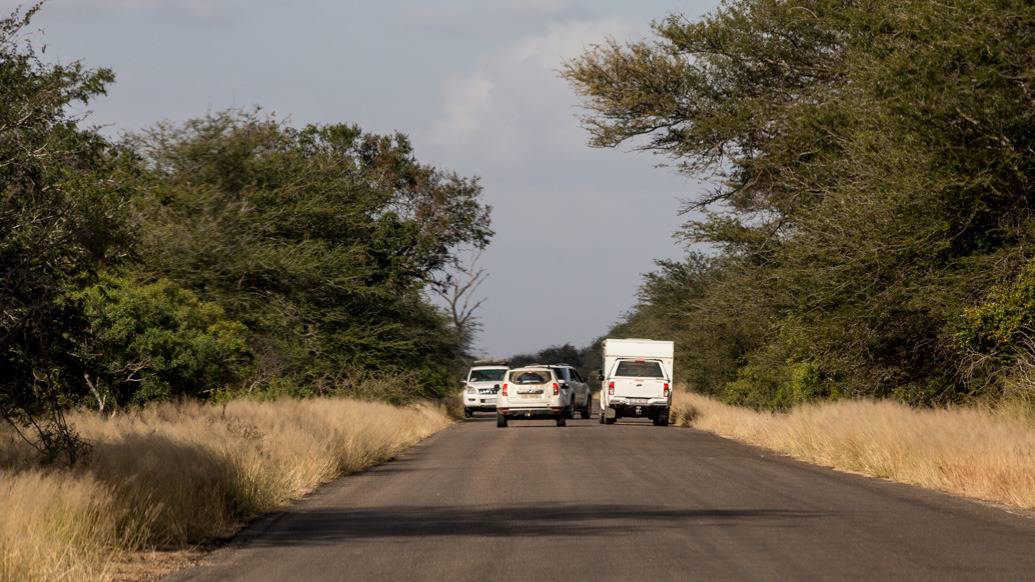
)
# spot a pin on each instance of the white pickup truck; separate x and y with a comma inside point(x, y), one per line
point(637, 380)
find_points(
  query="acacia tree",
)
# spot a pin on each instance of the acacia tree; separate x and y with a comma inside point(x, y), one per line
point(59, 219)
point(875, 164)
point(321, 240)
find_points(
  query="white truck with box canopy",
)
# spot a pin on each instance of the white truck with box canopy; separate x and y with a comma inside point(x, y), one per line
point(637, 380)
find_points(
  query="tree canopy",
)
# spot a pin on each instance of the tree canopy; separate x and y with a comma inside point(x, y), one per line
point(320, 240)
point(873, 163)
point(229, 254)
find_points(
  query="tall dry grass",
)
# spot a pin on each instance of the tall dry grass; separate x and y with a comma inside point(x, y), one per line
point(177, 474)
point(966, 451)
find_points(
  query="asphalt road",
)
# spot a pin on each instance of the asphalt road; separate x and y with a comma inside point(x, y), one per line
point(624, 502)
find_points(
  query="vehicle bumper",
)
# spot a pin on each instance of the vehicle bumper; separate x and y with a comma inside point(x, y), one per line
point(539, 412)
point(629, 407)
point(480, 402)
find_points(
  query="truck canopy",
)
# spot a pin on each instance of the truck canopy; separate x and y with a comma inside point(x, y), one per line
point(619, 352)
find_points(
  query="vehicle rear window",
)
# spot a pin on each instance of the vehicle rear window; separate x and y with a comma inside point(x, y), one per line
point(487, 375)
point(632, 368)
point(530, 377)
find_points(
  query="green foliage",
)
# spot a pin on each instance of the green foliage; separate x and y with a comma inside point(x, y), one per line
point(1004, 319)
point(321, 240)
point(158, 341)
point(252, 257)
point(876, 163)
point(60, 218)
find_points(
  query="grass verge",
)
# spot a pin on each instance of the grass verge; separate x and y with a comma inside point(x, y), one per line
point(965, 451)
point(174, 475)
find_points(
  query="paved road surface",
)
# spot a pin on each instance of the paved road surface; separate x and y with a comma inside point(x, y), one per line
point(624, 502)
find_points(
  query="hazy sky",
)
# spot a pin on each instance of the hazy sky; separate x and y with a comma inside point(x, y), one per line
point(473, 83)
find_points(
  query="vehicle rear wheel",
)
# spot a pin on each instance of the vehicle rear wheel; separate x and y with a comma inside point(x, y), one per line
point(661, 420)
point(587, 412)
point(467, 412)
point(501, 421)
point(602, 417)
point(610, 420)
point(562, 420)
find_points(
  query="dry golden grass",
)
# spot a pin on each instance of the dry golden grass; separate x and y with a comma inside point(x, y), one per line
point(178, 474)
point(965, 451)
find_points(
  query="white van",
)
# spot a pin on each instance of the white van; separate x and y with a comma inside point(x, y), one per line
point(637, 380)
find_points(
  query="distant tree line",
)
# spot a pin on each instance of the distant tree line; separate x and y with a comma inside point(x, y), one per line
point(225, 255)
point(587, 360)
point(870, 232)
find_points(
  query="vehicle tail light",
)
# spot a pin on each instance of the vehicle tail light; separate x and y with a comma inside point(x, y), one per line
point(666, 388)
point(611, 388)
point(556, 389)
point(504, 389)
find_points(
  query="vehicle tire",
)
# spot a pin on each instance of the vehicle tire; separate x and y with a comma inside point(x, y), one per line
point(467, 412)
point(501, 421)
point(602, 417)
point(610, 420)
point(661, 420)
point(562, 420)
point(587, 412)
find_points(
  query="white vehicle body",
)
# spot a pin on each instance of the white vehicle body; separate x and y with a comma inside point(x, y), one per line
point(637, 379)
point(533, 392)
point(481, 387)
point(581, 394)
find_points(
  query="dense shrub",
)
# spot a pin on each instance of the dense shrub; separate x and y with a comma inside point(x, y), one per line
point(157, 341)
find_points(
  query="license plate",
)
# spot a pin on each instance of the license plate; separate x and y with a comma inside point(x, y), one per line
point(530, 391)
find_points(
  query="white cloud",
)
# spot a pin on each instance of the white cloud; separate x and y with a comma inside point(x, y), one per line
point(467, 99)
point(565, 40)
point(486, 17)
point(514, 107)
point(541, 6)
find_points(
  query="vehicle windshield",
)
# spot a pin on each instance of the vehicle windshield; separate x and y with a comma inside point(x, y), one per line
point(639, 369)
point(530, 376)
point(494, 375)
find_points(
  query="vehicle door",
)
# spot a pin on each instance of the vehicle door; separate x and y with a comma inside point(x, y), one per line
point(581, 387)
point(638, 378)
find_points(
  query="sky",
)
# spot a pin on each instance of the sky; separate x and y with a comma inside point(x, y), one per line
point(474, 83)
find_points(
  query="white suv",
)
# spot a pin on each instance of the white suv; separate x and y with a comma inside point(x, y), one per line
point(581, 394)
point(534, 392)
point(481, 387)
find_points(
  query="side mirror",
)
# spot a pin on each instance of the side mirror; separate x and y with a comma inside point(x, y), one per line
point(463, 381)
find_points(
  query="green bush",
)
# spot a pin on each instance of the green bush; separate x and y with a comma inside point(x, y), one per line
point(156, 341)
point(1002, 323)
